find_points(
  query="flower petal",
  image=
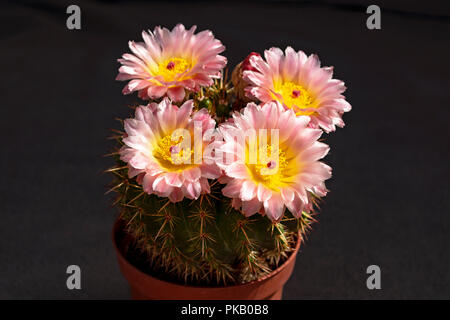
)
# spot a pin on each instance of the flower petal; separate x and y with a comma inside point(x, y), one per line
point(274, 207)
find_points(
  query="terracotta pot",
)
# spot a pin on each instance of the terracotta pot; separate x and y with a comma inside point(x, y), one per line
point(144, 286)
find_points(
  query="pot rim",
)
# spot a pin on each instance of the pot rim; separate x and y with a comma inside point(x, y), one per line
point(292, 256)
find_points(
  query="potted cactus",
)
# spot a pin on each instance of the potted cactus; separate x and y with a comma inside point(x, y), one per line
point(218, 181)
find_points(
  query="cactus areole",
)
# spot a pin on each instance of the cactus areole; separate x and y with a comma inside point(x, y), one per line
point(216, 193)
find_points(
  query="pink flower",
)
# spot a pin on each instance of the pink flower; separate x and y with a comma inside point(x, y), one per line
point(168, 62)
point(299, 83)
point(163, 160)
point(287, 176)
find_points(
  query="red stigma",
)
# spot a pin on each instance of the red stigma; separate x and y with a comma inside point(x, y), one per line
point(170, 65)
point(271, 164)
point(296, 93)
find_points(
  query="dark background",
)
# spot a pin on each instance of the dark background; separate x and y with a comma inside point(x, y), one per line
point(389, 201)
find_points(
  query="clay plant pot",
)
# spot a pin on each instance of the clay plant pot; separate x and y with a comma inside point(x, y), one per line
point(146, 287)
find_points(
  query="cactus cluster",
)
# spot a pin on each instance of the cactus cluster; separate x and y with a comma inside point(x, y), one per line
point(204, 241)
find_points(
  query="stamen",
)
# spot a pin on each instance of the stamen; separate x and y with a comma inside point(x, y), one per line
point(171, 151)
point(172, 68)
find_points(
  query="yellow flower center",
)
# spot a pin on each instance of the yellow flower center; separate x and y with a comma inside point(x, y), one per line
point(295, 97)
point(271, 171)
point(171, 68)
point(171, 155)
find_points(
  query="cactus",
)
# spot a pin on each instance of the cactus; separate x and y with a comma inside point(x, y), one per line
point(188, 227)
point(240, 230)
point(204, 241)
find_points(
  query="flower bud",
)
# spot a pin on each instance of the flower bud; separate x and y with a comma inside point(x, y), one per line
point(238, 82)
point(205, 103)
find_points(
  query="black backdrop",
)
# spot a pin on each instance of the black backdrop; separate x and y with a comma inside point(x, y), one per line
point(389, 201)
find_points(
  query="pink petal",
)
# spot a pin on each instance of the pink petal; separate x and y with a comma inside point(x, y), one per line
point(132, 172)
point(236, 203)
point(263, 193)
point(156, 91)
point(300, 188)
point(192, 190)
point(274, 207)
point(176, 195)
point(291, 63)
point(232, 189)
point(205, 185)
point(167, 116)
point(139, 161)
point(274, 57)
point(248, 191)
point(210, 171)
point(192, 174)
point(184, 113)
point(176, 93)
point(287, 194)
point(161, 187)
point(319, 169)
point(295, 207)
point(251, 207)
point(147, 183)
point(237, 170)
point(174, 179)
point(315, 152)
